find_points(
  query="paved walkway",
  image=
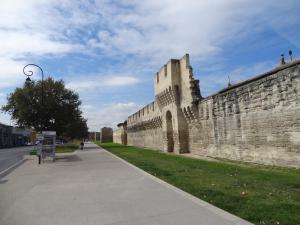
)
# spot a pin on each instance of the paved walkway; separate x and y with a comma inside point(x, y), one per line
point(94, 187)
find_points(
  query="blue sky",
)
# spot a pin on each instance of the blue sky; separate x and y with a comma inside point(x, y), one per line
point(109, 51)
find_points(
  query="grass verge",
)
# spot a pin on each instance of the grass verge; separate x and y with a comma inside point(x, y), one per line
point(260, 194)
point(67, 148)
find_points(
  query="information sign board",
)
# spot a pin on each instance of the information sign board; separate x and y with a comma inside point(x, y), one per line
point(40, 137)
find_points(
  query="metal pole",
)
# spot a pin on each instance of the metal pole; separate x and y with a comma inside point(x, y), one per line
point(28, 74)
point(43, 119)
point(291, 55)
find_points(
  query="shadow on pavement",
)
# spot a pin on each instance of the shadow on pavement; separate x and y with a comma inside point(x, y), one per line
point(68, 158)
point(3, 181)
point(88, 148)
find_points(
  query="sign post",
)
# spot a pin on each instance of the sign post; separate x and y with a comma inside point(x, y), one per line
point(46, 145)
point(33, 137)
point(40, 139)
point(49, 144)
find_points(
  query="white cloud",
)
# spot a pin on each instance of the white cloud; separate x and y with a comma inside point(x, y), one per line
point(162, 29)
point(143, 34)
point(108, 115)
point(150, 31)
point(87, 107)
point(32, 28)
point(16, 44)
point(92, 83)
point(120, 81)
point(5, 119)
point(11, 72)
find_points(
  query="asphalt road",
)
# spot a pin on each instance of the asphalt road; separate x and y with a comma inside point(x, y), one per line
point(10, 156)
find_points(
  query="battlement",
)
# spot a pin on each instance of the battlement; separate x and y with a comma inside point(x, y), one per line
point(167, 76)
point(148, 112)
point(146, 118)
point(171, 74)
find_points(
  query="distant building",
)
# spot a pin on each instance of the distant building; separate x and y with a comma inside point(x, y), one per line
point(106, 134)
point(12, 136)
point(94, 136)
point(21, 136)
point(5, 136)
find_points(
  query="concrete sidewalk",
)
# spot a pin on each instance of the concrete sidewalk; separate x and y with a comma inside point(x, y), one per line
point(95, 187)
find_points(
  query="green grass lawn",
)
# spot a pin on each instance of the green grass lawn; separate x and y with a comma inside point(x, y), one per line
point(272, 194)
point(67, 148)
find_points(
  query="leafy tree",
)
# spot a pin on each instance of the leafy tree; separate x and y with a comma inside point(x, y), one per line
point(77, 129)
point(57, 109)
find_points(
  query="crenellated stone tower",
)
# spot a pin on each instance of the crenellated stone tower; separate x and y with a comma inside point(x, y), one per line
point(177, 94)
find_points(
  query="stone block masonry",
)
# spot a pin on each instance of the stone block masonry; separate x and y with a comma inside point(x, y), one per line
point(257, 120)
point(106, 134)
point(120, 135)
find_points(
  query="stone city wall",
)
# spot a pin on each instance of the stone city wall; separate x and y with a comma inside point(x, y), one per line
point(145, 127)
point(255, 121)
point(120, 134)
point(117, 136)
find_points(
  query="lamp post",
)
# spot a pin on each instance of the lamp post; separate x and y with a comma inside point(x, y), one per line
point(291, 55)
point(29, 73)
